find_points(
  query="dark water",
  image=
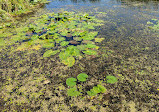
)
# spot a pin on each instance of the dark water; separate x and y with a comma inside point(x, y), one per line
point(153, 5)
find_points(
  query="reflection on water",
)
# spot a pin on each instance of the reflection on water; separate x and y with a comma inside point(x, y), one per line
point(151, 4)
point(91, 1)
point(145, 4)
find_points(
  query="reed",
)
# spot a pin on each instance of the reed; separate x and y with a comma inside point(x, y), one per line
point(17, 7)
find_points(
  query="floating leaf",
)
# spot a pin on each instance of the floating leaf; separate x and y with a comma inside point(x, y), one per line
point(81, 47)
point(82, 77)
point(73, 51)
point(71, 82)
point(23, 47)
point(91, 46)
point(101, 88)
point(64, 55)
point(90, 52)
point(73, 92)
point(111, 79)
point(60, 39)
point(90, 27)
point(64, 32)
point(99, 39)
point(83, 33)
point(77, 38)
point(96, 89)
point(64, 43)
point(69, 61)
point(48, 45)
point(50, 52)
point(36, 47)
point(91, 92)
point(87, 37)
point(93, 33)
point(1, 27)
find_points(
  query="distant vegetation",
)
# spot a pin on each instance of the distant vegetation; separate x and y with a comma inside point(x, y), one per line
point(11, 8)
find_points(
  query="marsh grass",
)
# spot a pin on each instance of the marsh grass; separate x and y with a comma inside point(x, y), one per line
point(13, 8)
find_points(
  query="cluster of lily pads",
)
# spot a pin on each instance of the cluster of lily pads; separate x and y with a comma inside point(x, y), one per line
point(154, 25)
point(69, 34)
point(72, 91)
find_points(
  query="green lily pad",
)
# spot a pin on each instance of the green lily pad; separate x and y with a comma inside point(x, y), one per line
point(95, 33)
point(73, 51)
point(77, 38)
point(91, 92)
point(81, 47)
point(82, 77)
point(58, 40)
point(64, 43)
point(90, 52)
point(63, 55)
point(90, 36)
point(73, 92)
point(48, 45)
point(99, 39)
point(64, 32)
point(49, 53)
point(69, 61)
point(71, 81)
point(101, 88)
point(1, 27)
point(87, 37)
point(96, 89)
point(83, 33)
point(111, 79)
point(91, 46)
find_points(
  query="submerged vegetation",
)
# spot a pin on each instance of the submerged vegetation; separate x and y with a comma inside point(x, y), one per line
point(112, 65)
point(154, 25)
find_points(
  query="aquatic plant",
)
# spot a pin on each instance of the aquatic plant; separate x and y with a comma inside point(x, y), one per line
point(73, 92)
point(153, 25)
point(82, 77)
point(96, 89)
point(19, 6)
point(71, 82)
point(111, 79)
point(68, 34)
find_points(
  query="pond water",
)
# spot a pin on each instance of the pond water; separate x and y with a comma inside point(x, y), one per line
point(128, 53)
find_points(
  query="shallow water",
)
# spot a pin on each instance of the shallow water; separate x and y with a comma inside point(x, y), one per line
point(130, 52)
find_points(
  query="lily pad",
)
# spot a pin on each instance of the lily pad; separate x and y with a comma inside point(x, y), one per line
point(91, 92)
point(71, 81)
point(73, 92)
point(96, 89)
point(48, 45)
point(101, 88)
point(111, 79)
point(63, 55)
point(69, 61)
point(91, 46)
point(64, 43)
point(73, 51)
point(81, 47)
point(99, 39)
point(90, 52)
point(87, 37)
point(50, 52)
point(82, 77)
